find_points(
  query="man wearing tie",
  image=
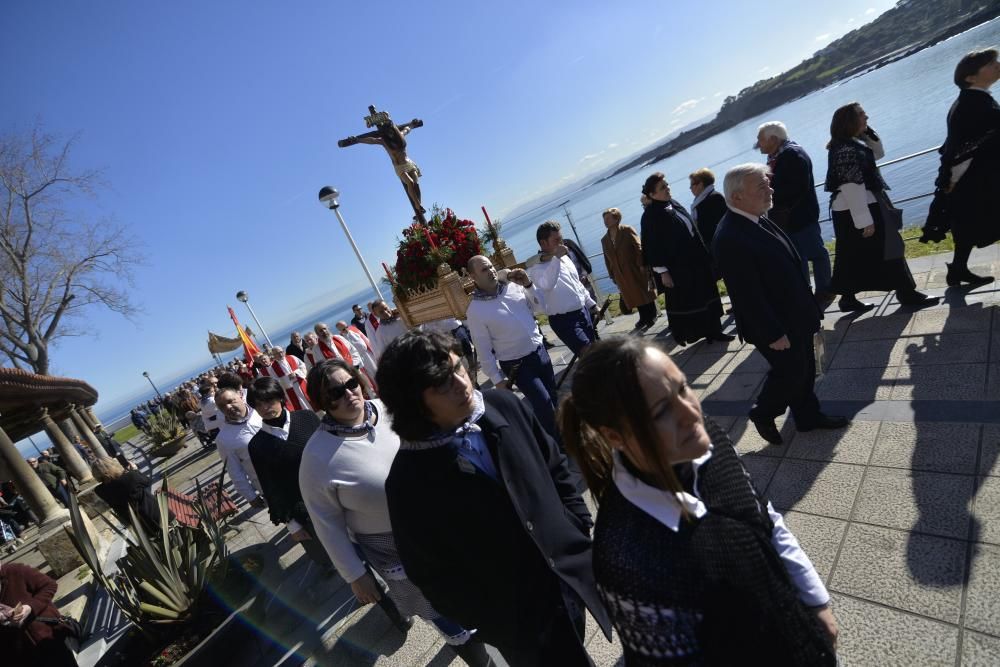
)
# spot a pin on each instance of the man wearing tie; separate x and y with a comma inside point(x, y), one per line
point(772, 302)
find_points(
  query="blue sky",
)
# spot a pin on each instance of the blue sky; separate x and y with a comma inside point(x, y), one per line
point(216, 124)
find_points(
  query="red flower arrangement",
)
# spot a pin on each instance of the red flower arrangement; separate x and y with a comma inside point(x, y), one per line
point(446, 238)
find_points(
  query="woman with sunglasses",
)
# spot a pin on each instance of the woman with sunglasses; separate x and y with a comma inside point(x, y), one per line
point(342, 478)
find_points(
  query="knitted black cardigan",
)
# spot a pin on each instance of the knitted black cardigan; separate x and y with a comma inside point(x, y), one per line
point(276, 462)
point(713, 593)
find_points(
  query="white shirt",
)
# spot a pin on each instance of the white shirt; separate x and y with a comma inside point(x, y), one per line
point(343, 486)
point(504, 328)
point(560, 286)
point(232, 442)
point(445, 325)
point(666, 509)
point(854, 197)
point(210, 416)
point(386, 333)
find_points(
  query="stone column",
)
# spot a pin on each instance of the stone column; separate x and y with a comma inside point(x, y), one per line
point(88, 436)
point(75, 465)
point(30, 484)
point(94, 421)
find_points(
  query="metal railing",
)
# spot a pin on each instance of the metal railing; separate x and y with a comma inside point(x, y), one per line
point(880, 165)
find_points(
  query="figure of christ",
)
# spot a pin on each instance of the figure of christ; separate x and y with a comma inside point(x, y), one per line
point(392, 138)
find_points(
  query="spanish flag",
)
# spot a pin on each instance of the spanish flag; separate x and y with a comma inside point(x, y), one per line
point(250, 348)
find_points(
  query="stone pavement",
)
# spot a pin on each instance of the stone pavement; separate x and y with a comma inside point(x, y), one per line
point(900, 512)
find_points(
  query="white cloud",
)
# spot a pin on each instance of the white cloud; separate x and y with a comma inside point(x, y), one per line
point(822, 38)
point(591, 156)
point(763, 69)
point(684, 107)
point(850, 21)
point(718, 94)
point(869, 11)
point(612, 146)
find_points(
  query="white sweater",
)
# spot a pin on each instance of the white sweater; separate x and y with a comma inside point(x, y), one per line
point(343, 485)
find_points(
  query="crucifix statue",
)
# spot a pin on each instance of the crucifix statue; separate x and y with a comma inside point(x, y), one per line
point(392, 138)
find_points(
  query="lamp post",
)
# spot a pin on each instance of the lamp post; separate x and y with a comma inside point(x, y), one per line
point(242, 296)
point(145, 374)
point(328, 197)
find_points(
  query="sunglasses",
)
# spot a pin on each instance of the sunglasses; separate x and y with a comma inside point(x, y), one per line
point(337, 392)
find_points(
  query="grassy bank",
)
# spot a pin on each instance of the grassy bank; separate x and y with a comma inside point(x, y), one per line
point(123, 434)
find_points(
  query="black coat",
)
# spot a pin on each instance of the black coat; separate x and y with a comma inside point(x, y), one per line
point(771, 298)
point(579, 256)
point(710, 211)
point(276, 462)
point(974, 132)
point(794, 205)
point(296, 351)
point(484, 552)
point(131, 488)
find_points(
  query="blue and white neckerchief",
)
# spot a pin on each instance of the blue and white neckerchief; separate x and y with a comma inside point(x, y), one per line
point(454, 436)
point(330, 425)
point(480, 295)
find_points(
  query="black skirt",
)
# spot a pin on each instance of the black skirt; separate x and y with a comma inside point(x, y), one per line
point(693, 305)
point(860, 264)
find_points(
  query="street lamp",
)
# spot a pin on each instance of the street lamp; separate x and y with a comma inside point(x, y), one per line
point(146, 375)
point(328, 197)
point(242, 296)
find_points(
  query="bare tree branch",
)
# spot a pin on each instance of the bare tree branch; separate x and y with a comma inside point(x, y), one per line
point(54, 265)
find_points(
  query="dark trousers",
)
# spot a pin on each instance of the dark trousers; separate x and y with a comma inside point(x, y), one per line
point(574, 329)
point(60, 494)
point(647, 312)
point(560, 641)
point(534, 376)
point(789, 382)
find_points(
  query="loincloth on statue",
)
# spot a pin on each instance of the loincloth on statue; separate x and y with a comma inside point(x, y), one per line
point(408, 168)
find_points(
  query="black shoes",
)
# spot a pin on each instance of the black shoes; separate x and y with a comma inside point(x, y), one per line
point(719, 336)
point(824, 299)
point(850, 304)
point(824, 422)
point(767, 430)
point(963, 275)
point(916, 299)
point(473, 653)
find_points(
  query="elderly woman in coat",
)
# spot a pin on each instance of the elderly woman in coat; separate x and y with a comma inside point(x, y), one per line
point(623, 258)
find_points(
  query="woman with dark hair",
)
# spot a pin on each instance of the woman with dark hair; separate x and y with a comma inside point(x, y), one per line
point(342, 478)
point(682, 267)
point(869, 248)
point(970, 163)
point(276, 452)
point(486, 515)
point(122, 489)
point(693, 564)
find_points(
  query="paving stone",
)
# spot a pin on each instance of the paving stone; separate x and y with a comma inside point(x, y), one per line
point(856, 384)
point(989, 455)
point(950, 320)
point(748, 360)
point(981, 609)
point(917, 573)
point(707, 363)
point(816, 487)
point(819, 537)
point(761, 469)
point(957, 382)
point(937, 446)
point(733, 387)
point(987, 510)
point(874, 328)
point(980, 650)
point(865, 354)
point(942, 349)
point(874, 635)
point(851, 445)
point(601, 651)
point(747, 441)
point(927, 502)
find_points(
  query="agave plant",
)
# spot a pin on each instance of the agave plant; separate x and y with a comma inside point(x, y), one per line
point(164, 427)
point(163, 574)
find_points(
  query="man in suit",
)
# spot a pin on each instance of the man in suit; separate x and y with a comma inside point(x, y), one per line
point(774, 307)
point(485, 513)
point(795, 207)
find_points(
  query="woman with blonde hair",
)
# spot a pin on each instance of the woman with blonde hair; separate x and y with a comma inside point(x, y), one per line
point(623, 259)
point(122, 489)
point(692, 562)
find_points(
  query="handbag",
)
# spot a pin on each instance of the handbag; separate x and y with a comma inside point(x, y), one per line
point(73, 628)
point(892, 221)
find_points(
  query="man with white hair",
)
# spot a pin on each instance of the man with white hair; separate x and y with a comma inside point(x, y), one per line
point(291, 375)
point(795, 207)
point(772, 303)
point(366, 352)
point(333, 346)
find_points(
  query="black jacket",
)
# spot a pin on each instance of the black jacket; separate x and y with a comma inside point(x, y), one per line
point(770, 295)
point(131, 488)
point(483, 552)
point(579, 255)
point(277, 464)
point(710, 211)
point(795, 205)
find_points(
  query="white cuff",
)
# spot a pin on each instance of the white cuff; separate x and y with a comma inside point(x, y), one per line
point(661, 269)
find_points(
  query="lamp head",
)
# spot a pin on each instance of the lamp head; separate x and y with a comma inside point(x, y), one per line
point(242, 296)
point(328, 197)
point(145, 374)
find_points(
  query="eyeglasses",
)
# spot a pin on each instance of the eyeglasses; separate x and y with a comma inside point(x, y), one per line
point(448, 383)
point(337, 392)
